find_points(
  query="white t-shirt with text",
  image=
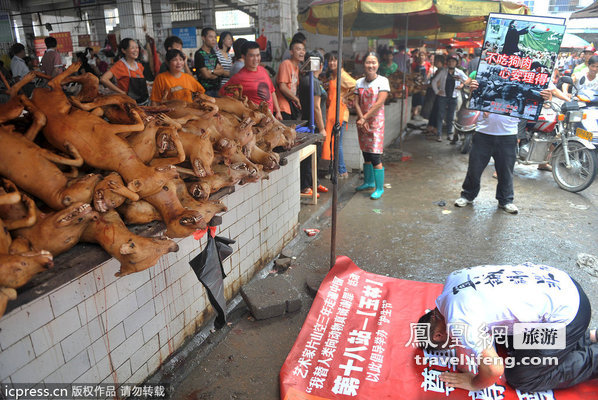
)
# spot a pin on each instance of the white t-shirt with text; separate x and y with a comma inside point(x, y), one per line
point(481, 297)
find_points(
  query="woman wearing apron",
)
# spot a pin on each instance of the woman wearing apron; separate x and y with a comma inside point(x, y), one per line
point(128, 73)
point(371, 91)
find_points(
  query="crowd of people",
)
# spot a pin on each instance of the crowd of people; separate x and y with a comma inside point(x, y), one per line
point(213, 68)
point(222, 61)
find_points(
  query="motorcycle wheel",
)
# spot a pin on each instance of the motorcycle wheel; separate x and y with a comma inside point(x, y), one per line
point(584, 164)
point(466, 145)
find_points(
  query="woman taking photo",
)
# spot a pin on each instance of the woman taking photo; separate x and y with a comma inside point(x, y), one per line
point(372, 91)
point(347, 88)
point(128, 73)
point(223, 52)
point(175, 83)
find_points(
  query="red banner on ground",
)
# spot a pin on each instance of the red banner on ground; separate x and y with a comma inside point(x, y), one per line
point(355, 344)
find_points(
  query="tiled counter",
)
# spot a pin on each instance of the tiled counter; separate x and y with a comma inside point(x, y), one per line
point(99, 328)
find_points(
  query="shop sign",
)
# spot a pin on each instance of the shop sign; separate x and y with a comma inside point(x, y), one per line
point(187, 35)
point(40, 46)
point(518, 57)
point(78, 3)
point(65, 43)
point(84, 41)
point(5, 28)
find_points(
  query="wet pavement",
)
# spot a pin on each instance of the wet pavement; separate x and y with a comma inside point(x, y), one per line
point(407, 234)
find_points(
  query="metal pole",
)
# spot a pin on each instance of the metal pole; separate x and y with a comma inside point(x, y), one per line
point(312, 125)
point(404, 99)
point(335, 135)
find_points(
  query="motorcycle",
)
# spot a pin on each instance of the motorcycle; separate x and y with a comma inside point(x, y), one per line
point(556, 139)
point(464, 124)
point(588, 128)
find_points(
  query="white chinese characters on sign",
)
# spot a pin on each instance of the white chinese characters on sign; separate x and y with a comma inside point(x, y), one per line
point(433, 383)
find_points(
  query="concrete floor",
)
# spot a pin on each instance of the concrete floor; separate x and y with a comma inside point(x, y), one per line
point(405, 234)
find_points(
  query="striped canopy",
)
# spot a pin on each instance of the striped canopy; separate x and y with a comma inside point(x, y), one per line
point(388, 18)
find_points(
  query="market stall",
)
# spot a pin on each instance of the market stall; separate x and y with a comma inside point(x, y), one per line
point(404, 21)
point(113, 311)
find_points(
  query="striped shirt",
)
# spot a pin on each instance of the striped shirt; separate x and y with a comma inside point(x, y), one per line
point(226, 62)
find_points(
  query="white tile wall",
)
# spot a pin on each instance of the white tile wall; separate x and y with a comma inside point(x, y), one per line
point(99, 328)
point(15, 357)
point(56, 330)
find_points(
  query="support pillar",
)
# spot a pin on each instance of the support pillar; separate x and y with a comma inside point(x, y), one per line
point(277, 18)
point(133, 23)
point(97, 24)
point(26, 35)
point(162, 22)
point(208, 14)
point(5, 7)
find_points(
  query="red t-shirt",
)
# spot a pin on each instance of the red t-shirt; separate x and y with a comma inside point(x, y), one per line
point(257, 85)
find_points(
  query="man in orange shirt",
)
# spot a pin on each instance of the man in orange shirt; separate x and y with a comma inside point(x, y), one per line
point(287, 81)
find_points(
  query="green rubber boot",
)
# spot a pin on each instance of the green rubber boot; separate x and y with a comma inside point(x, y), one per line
point(368, 178)
point(379, 179)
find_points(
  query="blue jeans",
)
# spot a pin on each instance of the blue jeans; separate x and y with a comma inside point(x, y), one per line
point(446, 111)
point(504, 151)
point(341, 159)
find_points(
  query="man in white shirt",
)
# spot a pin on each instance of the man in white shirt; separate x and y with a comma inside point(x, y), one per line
point(496, 137)
point(480, 301)
point(18, 67)
point(447, 85)
point(587, 78)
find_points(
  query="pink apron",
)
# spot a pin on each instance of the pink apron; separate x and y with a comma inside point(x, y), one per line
point(372, 140)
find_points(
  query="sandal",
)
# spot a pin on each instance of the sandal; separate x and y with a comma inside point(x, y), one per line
point(545, 167)
point(308, 193)
point(322, 189)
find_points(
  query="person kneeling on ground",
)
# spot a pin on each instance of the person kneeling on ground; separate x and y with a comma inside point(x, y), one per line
point(479, 300)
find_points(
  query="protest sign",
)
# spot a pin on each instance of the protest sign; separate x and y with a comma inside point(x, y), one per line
point(518, 57)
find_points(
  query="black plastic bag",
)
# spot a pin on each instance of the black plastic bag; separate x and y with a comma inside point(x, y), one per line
point(207, 265)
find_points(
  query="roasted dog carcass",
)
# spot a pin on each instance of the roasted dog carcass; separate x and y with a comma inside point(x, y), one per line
point(16, 269)
point(19, 102)
point(58, 231)
point(32, 169)
point(224, 176)
point(111, 193)
point(95, 139)
point(134, 252)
